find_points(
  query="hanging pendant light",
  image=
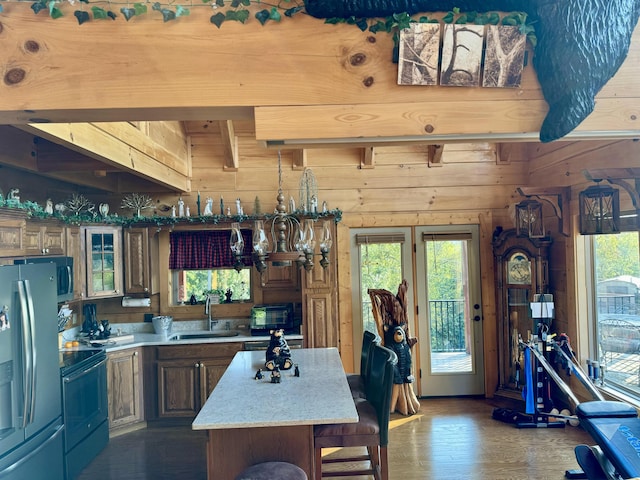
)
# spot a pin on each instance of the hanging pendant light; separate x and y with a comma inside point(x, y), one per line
point(599, 210)
point(529, 219)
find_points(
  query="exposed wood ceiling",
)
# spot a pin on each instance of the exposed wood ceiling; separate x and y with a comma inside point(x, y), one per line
point(111, 160)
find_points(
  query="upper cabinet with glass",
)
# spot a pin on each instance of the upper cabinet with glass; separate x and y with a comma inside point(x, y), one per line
point(103, 247)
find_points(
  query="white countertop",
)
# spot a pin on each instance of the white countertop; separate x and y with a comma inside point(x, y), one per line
point(132, 336)
point(320, 395)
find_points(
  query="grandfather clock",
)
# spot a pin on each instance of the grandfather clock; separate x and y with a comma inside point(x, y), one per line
point(521, 272)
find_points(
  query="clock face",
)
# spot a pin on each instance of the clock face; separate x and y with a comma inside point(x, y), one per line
point(519, 269)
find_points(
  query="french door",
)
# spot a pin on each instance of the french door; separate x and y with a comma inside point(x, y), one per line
point(444, 282)
point(449, 310)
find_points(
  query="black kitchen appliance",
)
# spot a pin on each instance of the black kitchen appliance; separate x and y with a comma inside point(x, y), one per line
point(84, 401)
point(265, 318)
point(64, 274)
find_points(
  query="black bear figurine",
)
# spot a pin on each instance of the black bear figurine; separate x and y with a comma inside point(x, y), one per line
point(278, 352)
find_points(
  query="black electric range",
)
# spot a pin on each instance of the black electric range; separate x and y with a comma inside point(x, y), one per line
point(72, 360)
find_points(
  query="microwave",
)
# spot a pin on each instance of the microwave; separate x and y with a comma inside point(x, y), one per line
point(64, 274)
point(265, 318)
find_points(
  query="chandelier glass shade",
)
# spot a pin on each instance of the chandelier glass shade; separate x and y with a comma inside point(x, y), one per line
point(599, 210)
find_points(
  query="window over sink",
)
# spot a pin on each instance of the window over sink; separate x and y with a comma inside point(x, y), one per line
point(201, 263)
point(196, 283)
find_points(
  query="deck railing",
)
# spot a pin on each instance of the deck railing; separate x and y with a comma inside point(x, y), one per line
point(447, 326)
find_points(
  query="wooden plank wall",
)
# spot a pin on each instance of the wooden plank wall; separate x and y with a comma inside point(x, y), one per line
point(401, 188)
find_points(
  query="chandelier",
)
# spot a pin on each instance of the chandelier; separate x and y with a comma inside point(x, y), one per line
point(283, 238)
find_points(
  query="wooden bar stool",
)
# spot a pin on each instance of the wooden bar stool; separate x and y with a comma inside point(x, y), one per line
point(273, 470)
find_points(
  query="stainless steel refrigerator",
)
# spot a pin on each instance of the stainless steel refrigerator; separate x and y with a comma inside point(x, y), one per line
point(30, 399)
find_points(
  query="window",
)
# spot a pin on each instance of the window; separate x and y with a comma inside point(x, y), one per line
point(188, 283)
point(616, 277)
point(201, 261)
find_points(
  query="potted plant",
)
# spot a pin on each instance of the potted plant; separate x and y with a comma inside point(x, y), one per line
point(216, 295)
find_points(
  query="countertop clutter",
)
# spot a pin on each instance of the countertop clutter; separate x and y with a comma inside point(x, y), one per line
point(186, 332)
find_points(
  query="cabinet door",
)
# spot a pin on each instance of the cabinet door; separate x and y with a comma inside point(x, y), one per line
point(53, 240)
point(44, 239)
point(211, 370)
point(11, 237)
point(320, 326)
point(32, 245)
point(178, 383)
point(124, 384)
point(104, 261)
point(74, 247)
point(280, 277)
point(136, 260)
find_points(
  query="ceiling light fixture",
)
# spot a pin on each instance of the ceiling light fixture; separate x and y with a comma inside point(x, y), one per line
point(529, 219)
point(599, 210)
point(284, 238)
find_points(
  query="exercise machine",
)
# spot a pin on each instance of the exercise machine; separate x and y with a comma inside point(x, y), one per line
point(614, 426)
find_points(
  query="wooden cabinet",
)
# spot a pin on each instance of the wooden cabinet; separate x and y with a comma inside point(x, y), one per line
point(140, 261)
point(521, 272)
point(188, 374)
point(125, 387)
point(280, 277)
point(75, 248)
point(44, 238)
point(103, 252)
point(320, 297)
point(11, 233)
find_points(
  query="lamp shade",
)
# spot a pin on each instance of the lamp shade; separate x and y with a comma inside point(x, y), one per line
point(599, 210)
point(529, 219)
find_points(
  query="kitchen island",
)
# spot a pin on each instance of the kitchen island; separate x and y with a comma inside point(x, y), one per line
point(253, 420)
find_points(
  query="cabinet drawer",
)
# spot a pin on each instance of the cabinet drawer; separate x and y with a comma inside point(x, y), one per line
point(199, 351)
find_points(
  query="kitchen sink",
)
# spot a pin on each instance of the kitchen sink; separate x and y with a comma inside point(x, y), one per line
point(198, 335)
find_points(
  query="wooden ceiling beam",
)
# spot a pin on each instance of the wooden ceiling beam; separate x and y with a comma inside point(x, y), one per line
point(126, 152)
point(51, 158)
point(229, 145)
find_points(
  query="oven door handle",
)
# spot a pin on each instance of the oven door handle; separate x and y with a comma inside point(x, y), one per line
point(86, 371)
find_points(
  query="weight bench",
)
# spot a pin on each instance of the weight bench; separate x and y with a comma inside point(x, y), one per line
point(615, 427)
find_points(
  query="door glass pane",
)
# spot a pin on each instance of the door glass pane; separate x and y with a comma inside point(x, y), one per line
point(380, 268)
point(448, 301)
point(617, 272)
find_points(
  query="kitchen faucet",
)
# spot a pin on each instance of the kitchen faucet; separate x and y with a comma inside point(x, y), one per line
point(207, 311)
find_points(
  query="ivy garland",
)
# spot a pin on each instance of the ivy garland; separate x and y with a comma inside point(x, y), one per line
point(34, 210)
point(237, 11)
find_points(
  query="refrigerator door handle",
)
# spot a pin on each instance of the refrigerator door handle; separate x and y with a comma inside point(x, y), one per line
point(27, 351)
point(34, 354)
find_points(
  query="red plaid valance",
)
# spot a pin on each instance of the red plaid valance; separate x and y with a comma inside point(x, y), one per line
point(205, 249)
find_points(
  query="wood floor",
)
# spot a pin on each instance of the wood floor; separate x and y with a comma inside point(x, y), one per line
point(453, 439)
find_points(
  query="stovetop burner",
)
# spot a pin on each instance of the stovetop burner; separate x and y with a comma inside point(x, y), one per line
point(72, 360)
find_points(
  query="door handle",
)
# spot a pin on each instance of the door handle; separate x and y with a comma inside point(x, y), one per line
point(476, 318)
